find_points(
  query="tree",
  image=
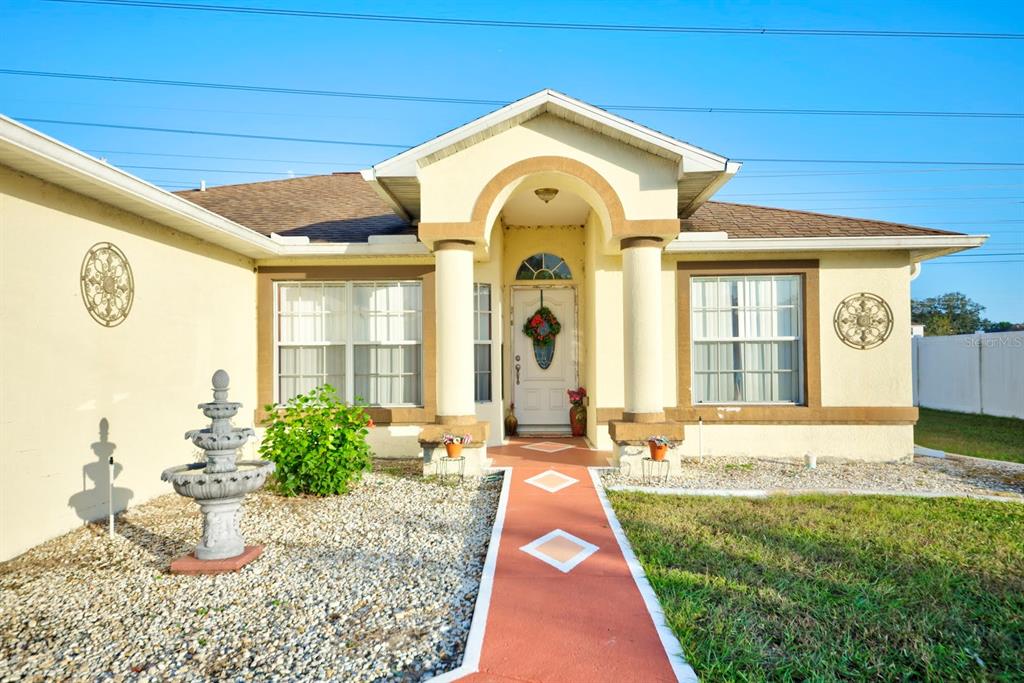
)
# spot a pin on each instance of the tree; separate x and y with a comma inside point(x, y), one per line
point(1003, 326)
point(950, 313)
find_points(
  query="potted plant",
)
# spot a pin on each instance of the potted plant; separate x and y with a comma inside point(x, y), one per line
point(659, 446)
point(453, 443)
point(577, 411)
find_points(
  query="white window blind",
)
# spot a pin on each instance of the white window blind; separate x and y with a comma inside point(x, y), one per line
point(482, 347)
point(363, 338)
point(747, 339)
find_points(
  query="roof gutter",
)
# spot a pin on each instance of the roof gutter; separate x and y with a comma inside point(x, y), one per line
point(730, 170)
point(923, 247)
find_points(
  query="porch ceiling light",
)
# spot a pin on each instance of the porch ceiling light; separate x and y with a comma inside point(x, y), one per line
point(546, 194)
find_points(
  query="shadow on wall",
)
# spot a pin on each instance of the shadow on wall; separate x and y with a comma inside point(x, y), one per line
point(98, 494)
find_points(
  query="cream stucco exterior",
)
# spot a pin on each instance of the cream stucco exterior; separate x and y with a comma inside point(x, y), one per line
point(62, 373)
point(645, 183)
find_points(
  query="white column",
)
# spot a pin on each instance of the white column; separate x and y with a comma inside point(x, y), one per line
point(454, 287)
point(642, 325)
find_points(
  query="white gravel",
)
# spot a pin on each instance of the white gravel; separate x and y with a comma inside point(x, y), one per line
point(921, 475)
point(378, 585)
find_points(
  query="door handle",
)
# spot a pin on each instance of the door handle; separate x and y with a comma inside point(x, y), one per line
point(518, 366)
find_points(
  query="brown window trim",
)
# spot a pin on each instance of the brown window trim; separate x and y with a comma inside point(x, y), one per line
point(808, 270)
point(266, 277)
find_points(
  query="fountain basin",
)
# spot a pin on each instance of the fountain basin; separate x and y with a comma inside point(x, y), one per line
point(210, 440)
point(219, 409)
point(193, 481)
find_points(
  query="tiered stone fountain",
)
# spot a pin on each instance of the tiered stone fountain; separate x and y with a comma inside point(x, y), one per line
point(218, 485)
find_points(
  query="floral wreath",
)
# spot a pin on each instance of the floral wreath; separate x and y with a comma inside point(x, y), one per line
point(542, 327)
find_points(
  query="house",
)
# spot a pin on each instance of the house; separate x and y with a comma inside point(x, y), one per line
point(733, 329)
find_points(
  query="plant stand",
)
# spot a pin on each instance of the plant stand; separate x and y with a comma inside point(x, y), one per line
point(450, 467)
point(654, 470)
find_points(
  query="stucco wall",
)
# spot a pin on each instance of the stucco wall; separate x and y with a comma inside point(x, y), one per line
point(63, 374)
point(881, 376)
point(491, 272)
point(645, 183)
point(879, 443)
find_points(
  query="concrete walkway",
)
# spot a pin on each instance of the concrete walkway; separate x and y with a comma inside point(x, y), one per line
point(564, 605)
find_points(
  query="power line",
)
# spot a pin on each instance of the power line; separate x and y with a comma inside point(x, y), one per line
point(214, 133)
point(965, 263)
point(205, 156)
point(568, 26)
point(883, 161)
point(207, 170)
point(94, 124)
point(869, 190)
point(501, 103)
point(1013, 199)
point(874, 171)
point(1002, 253)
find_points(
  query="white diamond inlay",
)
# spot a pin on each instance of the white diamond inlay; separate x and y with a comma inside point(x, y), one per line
point(560, 549)
point(551, 481)
point(547, 447)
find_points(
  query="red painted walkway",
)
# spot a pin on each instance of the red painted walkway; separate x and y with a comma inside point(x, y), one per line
point(587, 624)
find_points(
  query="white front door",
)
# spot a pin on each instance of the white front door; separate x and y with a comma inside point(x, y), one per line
point(541, 404)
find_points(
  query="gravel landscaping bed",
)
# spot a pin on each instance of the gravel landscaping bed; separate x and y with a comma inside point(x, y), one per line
point(378, 585)
point(921, 475)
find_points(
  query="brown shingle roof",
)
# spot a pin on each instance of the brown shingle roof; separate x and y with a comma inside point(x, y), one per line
point(342, 207)
point(745, 220)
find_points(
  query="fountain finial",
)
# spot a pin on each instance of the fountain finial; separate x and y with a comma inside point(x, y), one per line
point(220, 385)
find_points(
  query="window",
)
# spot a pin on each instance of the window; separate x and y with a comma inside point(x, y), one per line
point(747, 339)
point(363, 338)
point(544, 267)
point(482, 348)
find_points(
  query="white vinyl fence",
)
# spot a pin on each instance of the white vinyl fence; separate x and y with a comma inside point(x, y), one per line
point(971, 373)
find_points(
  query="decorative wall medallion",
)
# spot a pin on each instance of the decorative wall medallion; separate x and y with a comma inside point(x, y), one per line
point(863, 321)
point(107, 285)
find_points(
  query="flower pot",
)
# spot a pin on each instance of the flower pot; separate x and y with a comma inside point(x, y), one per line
point(454, 449)
point(657, 451)
point(578, 420)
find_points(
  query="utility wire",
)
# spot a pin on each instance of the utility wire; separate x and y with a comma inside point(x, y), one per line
point(501, 103)
point(207, 170)
point(568, 26)
point(966, 263)
point(1002, 253)
point(870, 190)
point(94, 124)
point(213, 133)
point(219, 158)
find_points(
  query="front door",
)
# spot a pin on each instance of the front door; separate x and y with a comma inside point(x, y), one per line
point(541, 404)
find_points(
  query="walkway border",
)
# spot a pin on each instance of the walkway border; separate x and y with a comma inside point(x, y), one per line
point(673, 648)
point(475, 642)
point(772, 493)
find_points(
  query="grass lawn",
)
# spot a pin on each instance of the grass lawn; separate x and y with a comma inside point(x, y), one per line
point(983, 436)
point(817, 588)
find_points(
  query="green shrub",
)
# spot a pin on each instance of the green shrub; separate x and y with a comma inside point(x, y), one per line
point(317, 442)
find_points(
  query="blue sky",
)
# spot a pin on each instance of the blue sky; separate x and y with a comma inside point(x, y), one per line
point(600, 67)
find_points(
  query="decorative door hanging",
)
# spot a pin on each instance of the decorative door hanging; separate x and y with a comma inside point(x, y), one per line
point(542, 327)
